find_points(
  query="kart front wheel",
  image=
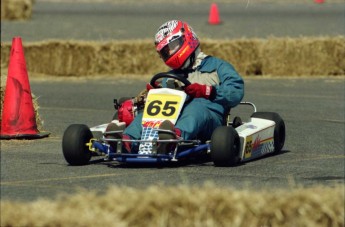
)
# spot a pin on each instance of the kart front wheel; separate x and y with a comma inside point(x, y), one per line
point(225, 146)
point(279, 129)
point(74, 146)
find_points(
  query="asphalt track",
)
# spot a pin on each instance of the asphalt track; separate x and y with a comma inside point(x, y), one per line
point(244, 19)
point(313, 110)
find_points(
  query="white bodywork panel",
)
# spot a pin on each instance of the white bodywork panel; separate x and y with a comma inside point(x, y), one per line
point(98, 130)
point(257, 138)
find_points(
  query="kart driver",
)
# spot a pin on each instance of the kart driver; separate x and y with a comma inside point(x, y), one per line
point(215, 87)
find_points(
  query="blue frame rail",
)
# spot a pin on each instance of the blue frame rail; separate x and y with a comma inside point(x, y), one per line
point(153, 158)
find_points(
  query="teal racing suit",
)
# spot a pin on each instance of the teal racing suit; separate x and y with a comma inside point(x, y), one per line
point(200, 117)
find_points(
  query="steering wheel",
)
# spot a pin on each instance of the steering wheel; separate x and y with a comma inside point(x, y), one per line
point(168, 75)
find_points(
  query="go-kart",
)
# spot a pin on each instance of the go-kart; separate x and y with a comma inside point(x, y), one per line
point(233, 143)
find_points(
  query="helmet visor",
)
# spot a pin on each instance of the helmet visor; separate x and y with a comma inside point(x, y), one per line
point(171, 48)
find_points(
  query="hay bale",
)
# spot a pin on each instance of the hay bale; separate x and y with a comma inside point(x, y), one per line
point(123, 57)
point(183, 206)
point(303, 56)
point(242, 53)
point(60, 58)
point(274, 56)
point(16, 9)
point(79, 58)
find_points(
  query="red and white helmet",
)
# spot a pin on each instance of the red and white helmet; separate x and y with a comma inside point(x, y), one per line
point(175, 42)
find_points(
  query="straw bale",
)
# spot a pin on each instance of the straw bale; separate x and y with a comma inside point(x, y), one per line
point(16, 9)
point(183, 206)
point(242, 53)
point(123, 57)
point(60, 58)
point(303, 56)
point(310, 56)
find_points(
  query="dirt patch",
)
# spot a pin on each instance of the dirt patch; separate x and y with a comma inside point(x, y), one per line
point(183, 206)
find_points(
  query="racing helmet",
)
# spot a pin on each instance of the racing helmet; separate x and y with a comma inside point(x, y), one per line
point(175, 42)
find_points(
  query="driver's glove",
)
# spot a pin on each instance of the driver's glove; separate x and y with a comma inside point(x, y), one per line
point(199, 90)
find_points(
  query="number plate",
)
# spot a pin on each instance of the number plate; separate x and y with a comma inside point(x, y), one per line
point(163, 104)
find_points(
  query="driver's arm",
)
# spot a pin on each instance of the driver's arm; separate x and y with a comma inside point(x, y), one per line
point(230, 90)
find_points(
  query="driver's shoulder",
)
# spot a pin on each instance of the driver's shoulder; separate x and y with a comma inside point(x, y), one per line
point(211, 64)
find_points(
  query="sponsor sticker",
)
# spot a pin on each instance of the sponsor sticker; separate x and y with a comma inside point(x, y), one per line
point(248, 147)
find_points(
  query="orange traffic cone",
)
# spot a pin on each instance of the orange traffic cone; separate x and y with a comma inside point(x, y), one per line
point(18, 116)
point(214, 18)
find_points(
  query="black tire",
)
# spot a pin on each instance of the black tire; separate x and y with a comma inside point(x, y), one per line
point(279, 129)
point(225, 146)
point(74, 146)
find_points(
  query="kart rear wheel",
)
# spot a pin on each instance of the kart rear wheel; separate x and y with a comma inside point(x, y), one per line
point(74, 146)
point(225, 146)
point(279, 129)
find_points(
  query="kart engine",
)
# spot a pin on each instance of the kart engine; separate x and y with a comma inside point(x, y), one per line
point(128, 108)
